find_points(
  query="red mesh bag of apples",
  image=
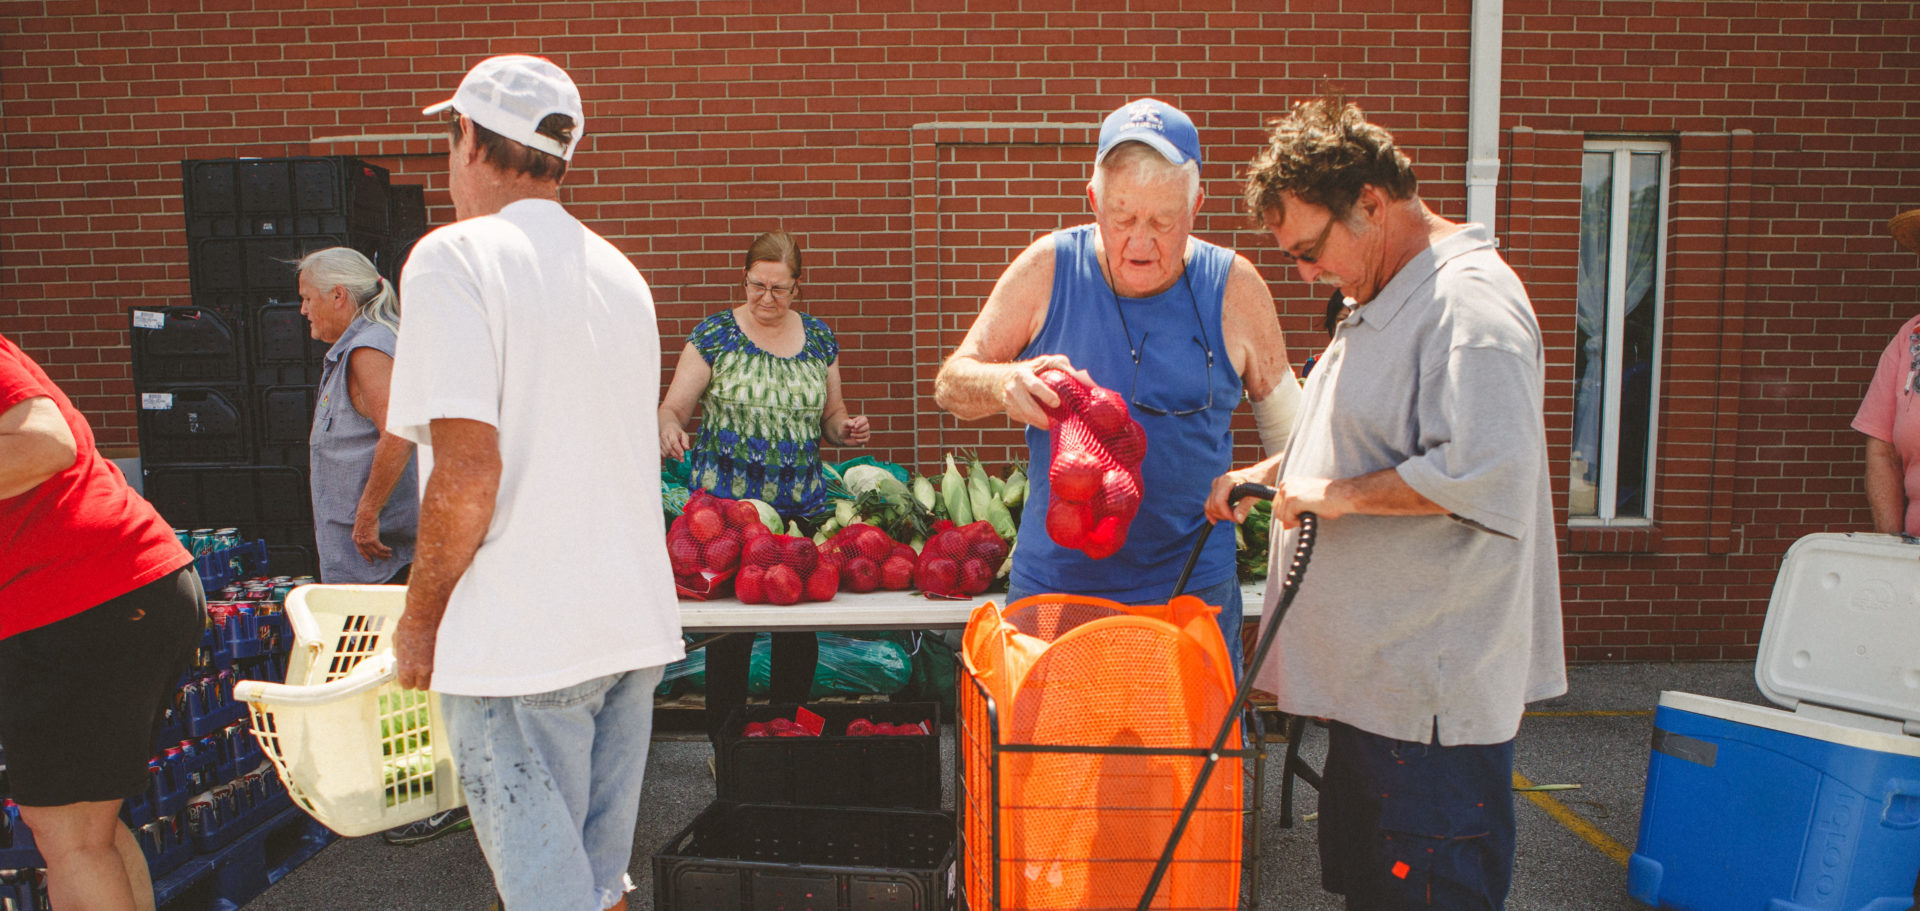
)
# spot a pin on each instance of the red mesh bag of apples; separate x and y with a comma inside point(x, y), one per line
point(781, 569)
point(1093, 484)
point(705, 541)
point(870, 558)
point(959, 562)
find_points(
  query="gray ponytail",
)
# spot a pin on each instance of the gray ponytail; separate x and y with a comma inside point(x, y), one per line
point(374, 297)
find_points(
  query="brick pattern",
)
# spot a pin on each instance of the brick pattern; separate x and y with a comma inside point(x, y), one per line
point(859, 124)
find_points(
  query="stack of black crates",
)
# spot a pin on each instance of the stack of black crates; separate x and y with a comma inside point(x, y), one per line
point(844, 819)
point(227, 384)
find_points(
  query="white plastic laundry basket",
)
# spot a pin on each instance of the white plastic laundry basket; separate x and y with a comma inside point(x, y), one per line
point(356, 751)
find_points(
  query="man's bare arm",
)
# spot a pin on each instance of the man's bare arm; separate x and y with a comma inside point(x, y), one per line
point(1886, 487)
point(455, 512)
point(981, 377)
point(1256, 346)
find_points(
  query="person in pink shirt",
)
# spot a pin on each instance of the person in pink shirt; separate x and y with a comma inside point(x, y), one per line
point(1890, 416)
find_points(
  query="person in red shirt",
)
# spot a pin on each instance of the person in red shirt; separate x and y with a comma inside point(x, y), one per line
point(100, 613)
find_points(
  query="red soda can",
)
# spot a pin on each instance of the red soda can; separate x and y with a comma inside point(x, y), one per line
point(200, 817)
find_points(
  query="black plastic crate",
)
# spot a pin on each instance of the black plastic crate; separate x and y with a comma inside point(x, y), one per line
point(195, 425)
point(229, 197)
point(398, 251)
point(832, 769)
point(407, 223)
point(759, 857)
point(406, 210)
point(185, 345)
point(237, 307)
point(286, 422)
point(297, 559)
point(282, 349)
point(245, 273)
point(260, 265)
point(252, 498)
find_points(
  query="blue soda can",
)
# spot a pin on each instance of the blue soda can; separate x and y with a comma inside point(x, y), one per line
point(200, 541)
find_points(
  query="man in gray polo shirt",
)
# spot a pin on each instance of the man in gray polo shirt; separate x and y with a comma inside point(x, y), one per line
point(1431, 615)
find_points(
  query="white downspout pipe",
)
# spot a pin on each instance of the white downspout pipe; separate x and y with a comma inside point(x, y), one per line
point(1483, 113)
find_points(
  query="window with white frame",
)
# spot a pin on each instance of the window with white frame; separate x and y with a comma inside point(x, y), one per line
point(1616, 393)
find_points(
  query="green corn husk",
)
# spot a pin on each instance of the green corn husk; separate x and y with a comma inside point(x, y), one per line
point(953, 489)
point(923, 492)
point(1001, 518)
point(979, 492)
point(1014, 492)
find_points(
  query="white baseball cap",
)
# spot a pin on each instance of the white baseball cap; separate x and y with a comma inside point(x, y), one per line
point(511, 94)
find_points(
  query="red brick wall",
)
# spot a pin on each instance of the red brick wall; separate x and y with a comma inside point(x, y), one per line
point(861, 126)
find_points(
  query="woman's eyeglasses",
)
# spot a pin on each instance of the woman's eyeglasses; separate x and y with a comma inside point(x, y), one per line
point(1200, 339)
point(782, 292)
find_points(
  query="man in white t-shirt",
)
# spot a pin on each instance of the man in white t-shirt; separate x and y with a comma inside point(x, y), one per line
point(541, 606)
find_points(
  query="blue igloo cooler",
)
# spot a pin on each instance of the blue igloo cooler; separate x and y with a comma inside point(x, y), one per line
point(1815, 805)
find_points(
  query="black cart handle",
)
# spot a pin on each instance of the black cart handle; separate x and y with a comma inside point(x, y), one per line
point(1238, 493)
point(1296, 571)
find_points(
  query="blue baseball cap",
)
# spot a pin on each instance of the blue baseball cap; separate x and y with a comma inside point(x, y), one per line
point(1155, 123)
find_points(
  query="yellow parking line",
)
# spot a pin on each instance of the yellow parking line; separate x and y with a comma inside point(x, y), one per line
point(1597, 713)
point(1573, 821)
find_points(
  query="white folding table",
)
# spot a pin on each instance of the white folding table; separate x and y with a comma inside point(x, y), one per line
point(873, 610)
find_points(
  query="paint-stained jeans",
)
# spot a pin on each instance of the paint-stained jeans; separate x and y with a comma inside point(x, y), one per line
point(553, 780)
point(1416, 825)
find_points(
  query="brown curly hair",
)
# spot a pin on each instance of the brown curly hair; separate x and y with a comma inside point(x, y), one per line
point(1325, 152)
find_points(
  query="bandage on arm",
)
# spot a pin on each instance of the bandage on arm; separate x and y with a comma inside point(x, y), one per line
point(1273, 416)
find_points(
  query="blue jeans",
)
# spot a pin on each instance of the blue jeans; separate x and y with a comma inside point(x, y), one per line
point(1416, 825)
point(553, 780)
point(1225, 596)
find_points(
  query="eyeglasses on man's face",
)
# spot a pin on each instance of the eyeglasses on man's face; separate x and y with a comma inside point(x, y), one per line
point(757, 287)
point(1312, 256)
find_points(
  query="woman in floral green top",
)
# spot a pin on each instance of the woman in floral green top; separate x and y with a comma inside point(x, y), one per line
point(767, 381)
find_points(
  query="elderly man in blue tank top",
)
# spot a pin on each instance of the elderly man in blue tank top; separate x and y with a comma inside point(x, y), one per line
point(1181, 327)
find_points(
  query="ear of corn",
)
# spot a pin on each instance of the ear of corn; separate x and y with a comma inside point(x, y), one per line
point(953, 489)
point(1015, 490)
point(979, 492)
point(1002, 519)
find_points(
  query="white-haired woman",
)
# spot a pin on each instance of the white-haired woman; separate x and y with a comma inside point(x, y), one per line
point(366, 490)
point(366, 499)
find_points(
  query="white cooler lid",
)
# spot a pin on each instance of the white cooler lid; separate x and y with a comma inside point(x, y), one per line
point(1843, 627)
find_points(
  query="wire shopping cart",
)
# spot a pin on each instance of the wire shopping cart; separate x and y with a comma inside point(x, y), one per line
point(1089, 735)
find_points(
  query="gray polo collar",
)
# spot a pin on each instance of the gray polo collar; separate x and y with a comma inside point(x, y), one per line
point(1394, 297)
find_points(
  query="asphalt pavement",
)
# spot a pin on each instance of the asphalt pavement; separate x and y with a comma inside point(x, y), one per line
point(1572, 841)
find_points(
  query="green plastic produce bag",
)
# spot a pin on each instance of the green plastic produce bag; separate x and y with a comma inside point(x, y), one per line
point(849, 666)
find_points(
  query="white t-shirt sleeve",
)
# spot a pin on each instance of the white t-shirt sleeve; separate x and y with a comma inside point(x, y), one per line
point(447, 362)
